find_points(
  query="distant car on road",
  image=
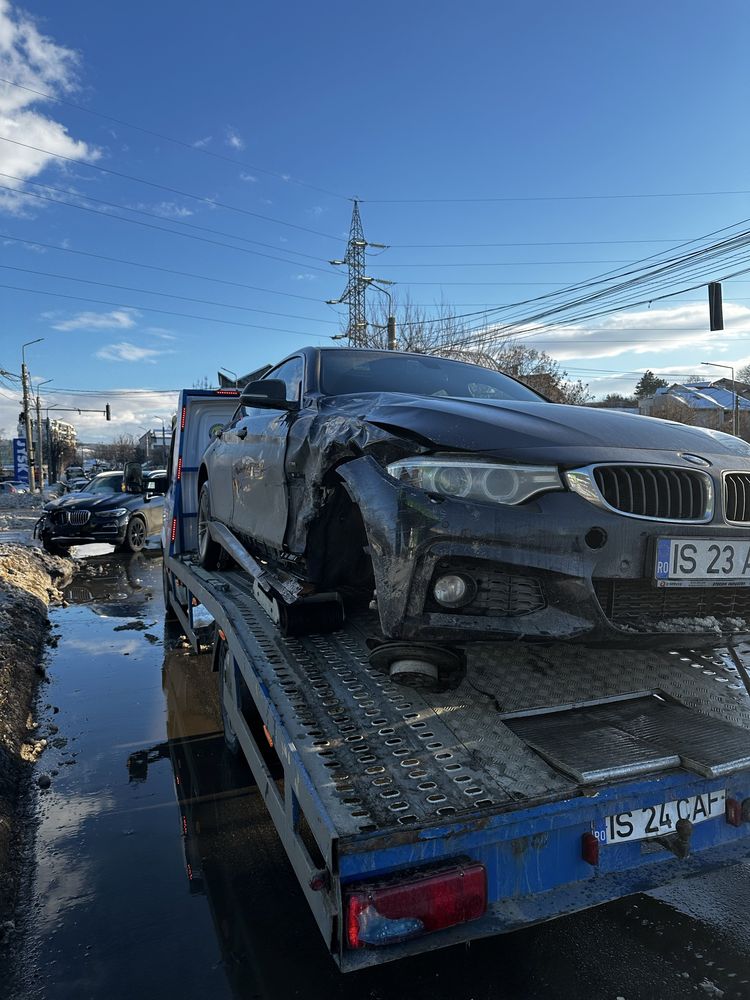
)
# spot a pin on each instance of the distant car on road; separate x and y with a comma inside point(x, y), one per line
point(21, 487)
point(113, 508)
point(6, 489)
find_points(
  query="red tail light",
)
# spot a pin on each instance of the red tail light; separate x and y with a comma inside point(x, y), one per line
point(182, 418)
point(733, 812)
point(179, 468)
point(380, 914)
point(590, 849)
point(174, 529)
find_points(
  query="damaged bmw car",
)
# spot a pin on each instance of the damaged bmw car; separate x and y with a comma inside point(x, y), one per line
point(464, 506)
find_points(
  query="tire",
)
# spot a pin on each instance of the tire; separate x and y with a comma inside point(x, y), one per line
point(135, 536)
point(231, 741)
point(169, 612)
point(209, 551)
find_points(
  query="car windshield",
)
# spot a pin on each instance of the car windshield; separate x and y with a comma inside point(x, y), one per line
point(105, 484)
point(344, 372)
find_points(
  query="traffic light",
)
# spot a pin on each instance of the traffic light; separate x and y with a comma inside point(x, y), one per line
point(715, 311)
point(107, 413)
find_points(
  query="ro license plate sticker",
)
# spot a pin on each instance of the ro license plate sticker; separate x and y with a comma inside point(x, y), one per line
point(657, 821)
point(685, 562)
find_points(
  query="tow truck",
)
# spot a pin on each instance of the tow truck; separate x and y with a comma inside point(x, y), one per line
point(550, 779)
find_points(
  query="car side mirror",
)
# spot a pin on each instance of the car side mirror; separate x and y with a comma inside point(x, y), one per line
point(269, 394)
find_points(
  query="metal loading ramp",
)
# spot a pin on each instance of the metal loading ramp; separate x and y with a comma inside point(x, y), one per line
point(381, 755)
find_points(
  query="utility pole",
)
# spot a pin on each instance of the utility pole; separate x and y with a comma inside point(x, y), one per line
point(27, 421)
point(39, 453)
point(355, 292)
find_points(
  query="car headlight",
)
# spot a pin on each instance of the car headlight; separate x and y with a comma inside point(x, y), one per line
point(118, 512)
point(493, 482)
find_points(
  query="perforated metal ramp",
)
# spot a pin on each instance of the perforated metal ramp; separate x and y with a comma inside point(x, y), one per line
point(380, 754)
point(637, 736)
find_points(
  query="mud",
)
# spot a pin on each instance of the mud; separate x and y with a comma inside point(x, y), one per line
point(30, 580)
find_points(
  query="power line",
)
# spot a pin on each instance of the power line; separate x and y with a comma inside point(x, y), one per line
point(155, 215)
point(178, 142)
point(545, 243)
point(156, 267)
point(562, 197)
point(150, 225)
point(164, 312)
point(165, 187)
point(169, 295)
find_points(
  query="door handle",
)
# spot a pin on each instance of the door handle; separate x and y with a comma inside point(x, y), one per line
point(242, 433)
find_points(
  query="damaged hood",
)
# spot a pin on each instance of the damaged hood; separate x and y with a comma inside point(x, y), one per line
point(92, 501)
point(541, 431)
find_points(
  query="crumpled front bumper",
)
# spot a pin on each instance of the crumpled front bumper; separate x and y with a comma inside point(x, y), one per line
point(558, 548)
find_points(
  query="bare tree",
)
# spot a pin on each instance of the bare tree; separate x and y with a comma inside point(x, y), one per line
point(450, 336)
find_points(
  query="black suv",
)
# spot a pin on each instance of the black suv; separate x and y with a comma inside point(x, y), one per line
point(121, 508)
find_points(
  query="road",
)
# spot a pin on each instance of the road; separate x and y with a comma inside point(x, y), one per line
point(158, 874)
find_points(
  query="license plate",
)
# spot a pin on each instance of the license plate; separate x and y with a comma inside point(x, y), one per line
point(657, 821)
point(704, 562)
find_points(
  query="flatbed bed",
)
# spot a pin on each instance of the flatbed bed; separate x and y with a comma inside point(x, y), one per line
point(519, 769)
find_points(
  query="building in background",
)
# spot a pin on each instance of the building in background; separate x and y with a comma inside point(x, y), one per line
point(702, 403)
point(154, 446)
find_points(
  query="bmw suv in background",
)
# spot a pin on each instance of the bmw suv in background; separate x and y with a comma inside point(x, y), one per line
point(118, 508)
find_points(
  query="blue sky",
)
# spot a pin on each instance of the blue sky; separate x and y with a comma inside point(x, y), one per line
point(303, 106)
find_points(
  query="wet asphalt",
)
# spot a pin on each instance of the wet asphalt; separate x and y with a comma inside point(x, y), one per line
point(157, 872)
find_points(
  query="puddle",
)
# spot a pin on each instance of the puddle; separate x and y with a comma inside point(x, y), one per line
point(159, 873)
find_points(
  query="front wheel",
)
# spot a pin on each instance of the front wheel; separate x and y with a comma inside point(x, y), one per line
point(135, 536)
point(209, 551)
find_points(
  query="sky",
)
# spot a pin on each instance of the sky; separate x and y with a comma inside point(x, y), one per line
point(171, 205)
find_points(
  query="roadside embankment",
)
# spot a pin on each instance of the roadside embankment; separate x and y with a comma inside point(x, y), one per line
point(30, 580)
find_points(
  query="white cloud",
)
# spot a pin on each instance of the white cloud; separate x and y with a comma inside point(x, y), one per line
point(166, 209)
point(125, 351)
point(31, 59)
point(201, 143)
point(116, 319)
point(316, 211)
point(234, 139)
point(670, 328)
point(304, 277)
point(131, 409)
point(248, 178)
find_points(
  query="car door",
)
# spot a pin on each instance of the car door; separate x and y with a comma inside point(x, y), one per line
point(261, 496)
point(225, 451)
point(153, 509)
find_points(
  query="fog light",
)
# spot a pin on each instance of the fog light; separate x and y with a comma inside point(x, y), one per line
point(453, 591)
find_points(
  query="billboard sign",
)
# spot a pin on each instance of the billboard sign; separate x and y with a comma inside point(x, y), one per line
point(20, 460)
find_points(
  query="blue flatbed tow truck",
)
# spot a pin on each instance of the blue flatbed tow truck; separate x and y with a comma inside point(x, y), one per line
point(551, 779)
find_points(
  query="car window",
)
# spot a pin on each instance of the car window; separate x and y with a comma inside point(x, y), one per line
point(291, 373)
point(344, 372)
point(105, 484)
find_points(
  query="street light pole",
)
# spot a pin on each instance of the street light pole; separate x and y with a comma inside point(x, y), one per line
point(735, 407)
point(39, 455)
point(26, 405)
point(391, 321)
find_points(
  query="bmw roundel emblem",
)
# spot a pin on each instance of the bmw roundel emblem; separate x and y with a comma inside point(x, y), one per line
point(696, 460)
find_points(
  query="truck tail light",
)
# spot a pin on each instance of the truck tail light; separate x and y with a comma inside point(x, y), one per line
point(733, 812)
point(590, 849)
point(173, 534)
point(383, 913)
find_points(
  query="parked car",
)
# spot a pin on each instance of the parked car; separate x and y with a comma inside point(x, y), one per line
point(468, 506)
point(21, 487)
point(8, 489)
point(113, 508)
